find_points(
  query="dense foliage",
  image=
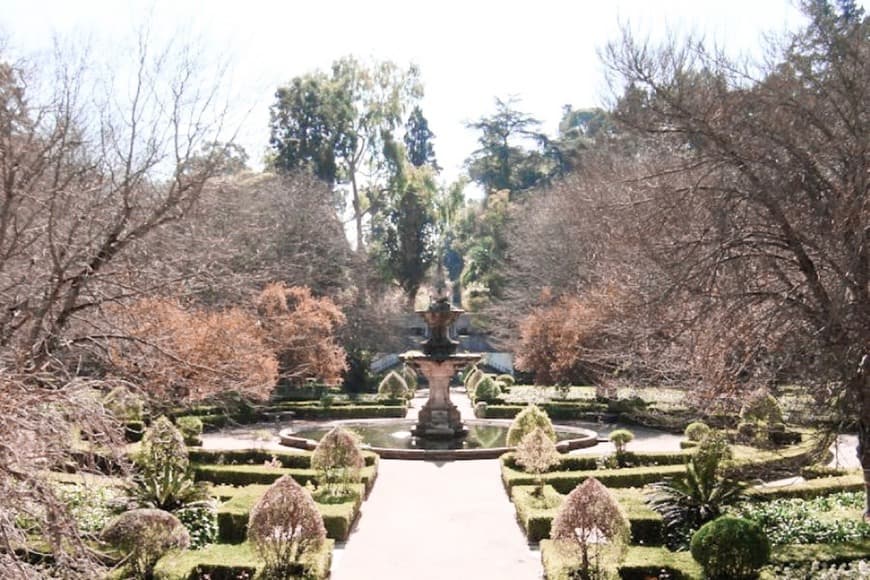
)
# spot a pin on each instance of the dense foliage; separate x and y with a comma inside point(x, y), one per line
point(526, 421)
point(730, 548)
point(143, 535)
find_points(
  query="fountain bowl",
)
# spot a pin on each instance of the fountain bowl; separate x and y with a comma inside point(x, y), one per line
point(570, 438)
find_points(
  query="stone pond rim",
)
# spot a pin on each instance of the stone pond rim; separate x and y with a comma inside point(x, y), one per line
point(585, 438)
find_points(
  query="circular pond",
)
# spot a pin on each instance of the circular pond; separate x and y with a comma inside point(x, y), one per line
point(393, 439)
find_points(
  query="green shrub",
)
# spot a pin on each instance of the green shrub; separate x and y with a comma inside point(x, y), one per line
point(696, 431)
point(526, 422)
point(338, 460)
point(762, 407)
point(191, 429)
point(201, 520)
point(410, 376)
point(472, 378)
point(486, 390)
point(536, 453)
point(285, 524)
point(698, 495)
point(163, 479)
point(393, 386)
point(730, 548)
point(124, 404)
point(143, 536)
point(506, 379)
point(620, 439)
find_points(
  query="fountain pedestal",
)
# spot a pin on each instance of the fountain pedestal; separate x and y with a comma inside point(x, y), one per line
point(439, 418)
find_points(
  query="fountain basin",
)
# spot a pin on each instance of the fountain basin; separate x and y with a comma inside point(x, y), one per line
point(392, 439)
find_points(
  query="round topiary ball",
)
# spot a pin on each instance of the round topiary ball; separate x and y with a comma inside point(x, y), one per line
point(730, 548)
point(696, 431)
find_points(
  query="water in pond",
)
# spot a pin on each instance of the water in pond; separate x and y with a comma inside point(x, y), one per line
point(398, 436)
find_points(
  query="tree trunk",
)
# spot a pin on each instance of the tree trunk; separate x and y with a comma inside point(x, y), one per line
point(860, 384)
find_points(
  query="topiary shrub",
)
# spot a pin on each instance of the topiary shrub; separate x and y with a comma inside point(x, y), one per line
point(761, 407)
point(486, 390)
point(472, 378)
point(143, 536)
point(163, 479)
point(285, 524)
point(537, 453)
point(526, 421)
point(620, 439)
point(190, 427)
point(393, 386)
point(730, 548)
point(338, 460)
point(591, 521)
point(696, 431)
point(410, 376)
point(507, 380)
point(124, 404)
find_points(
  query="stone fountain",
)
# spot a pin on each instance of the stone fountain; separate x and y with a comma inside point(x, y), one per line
point(438, 362)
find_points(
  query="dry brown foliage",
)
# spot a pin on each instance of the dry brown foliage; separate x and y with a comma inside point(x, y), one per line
point(38, 423)
point(302, 330)
point(181, 354)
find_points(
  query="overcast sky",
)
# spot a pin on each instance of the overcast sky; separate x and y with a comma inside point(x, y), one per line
point(545, 52)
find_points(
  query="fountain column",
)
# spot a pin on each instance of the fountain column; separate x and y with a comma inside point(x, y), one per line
point(439, 418)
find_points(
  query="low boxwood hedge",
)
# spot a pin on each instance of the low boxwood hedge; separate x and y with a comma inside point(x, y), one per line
point(289, 458)
point(565, 481)
point(260, 474)
point(646, 524)
point(812, 488)
point(639, 563)
point(562, 411)
point(590, 462)
point(232, 561)
point(824, 553)
point(233, 514)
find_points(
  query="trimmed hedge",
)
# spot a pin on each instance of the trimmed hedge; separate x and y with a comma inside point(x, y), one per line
point(233, 514)
point(215, 418)
point(825, 553)
point(289, 458)
point(222, 561)
point(565, 481)
point(639, 563)
point(646, 524)
point(260, 474)
point(590, 462)
point(812, 488)
point(561, 411)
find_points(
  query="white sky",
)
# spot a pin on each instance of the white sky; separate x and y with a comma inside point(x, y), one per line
point(469, 52)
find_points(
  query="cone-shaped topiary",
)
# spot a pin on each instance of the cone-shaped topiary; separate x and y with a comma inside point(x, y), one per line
point(730, 548)
point(162, 446)
point(143, 536)
point(473, 378)
point(410, 376)
point(283, 525)
point(393, 386)
point(537, 453)
point(526, 421)
point(338, 460)
point(761, 407)
point(592, 521)
point(486, 390)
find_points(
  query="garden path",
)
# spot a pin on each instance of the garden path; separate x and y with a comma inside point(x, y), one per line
point(437, 520)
